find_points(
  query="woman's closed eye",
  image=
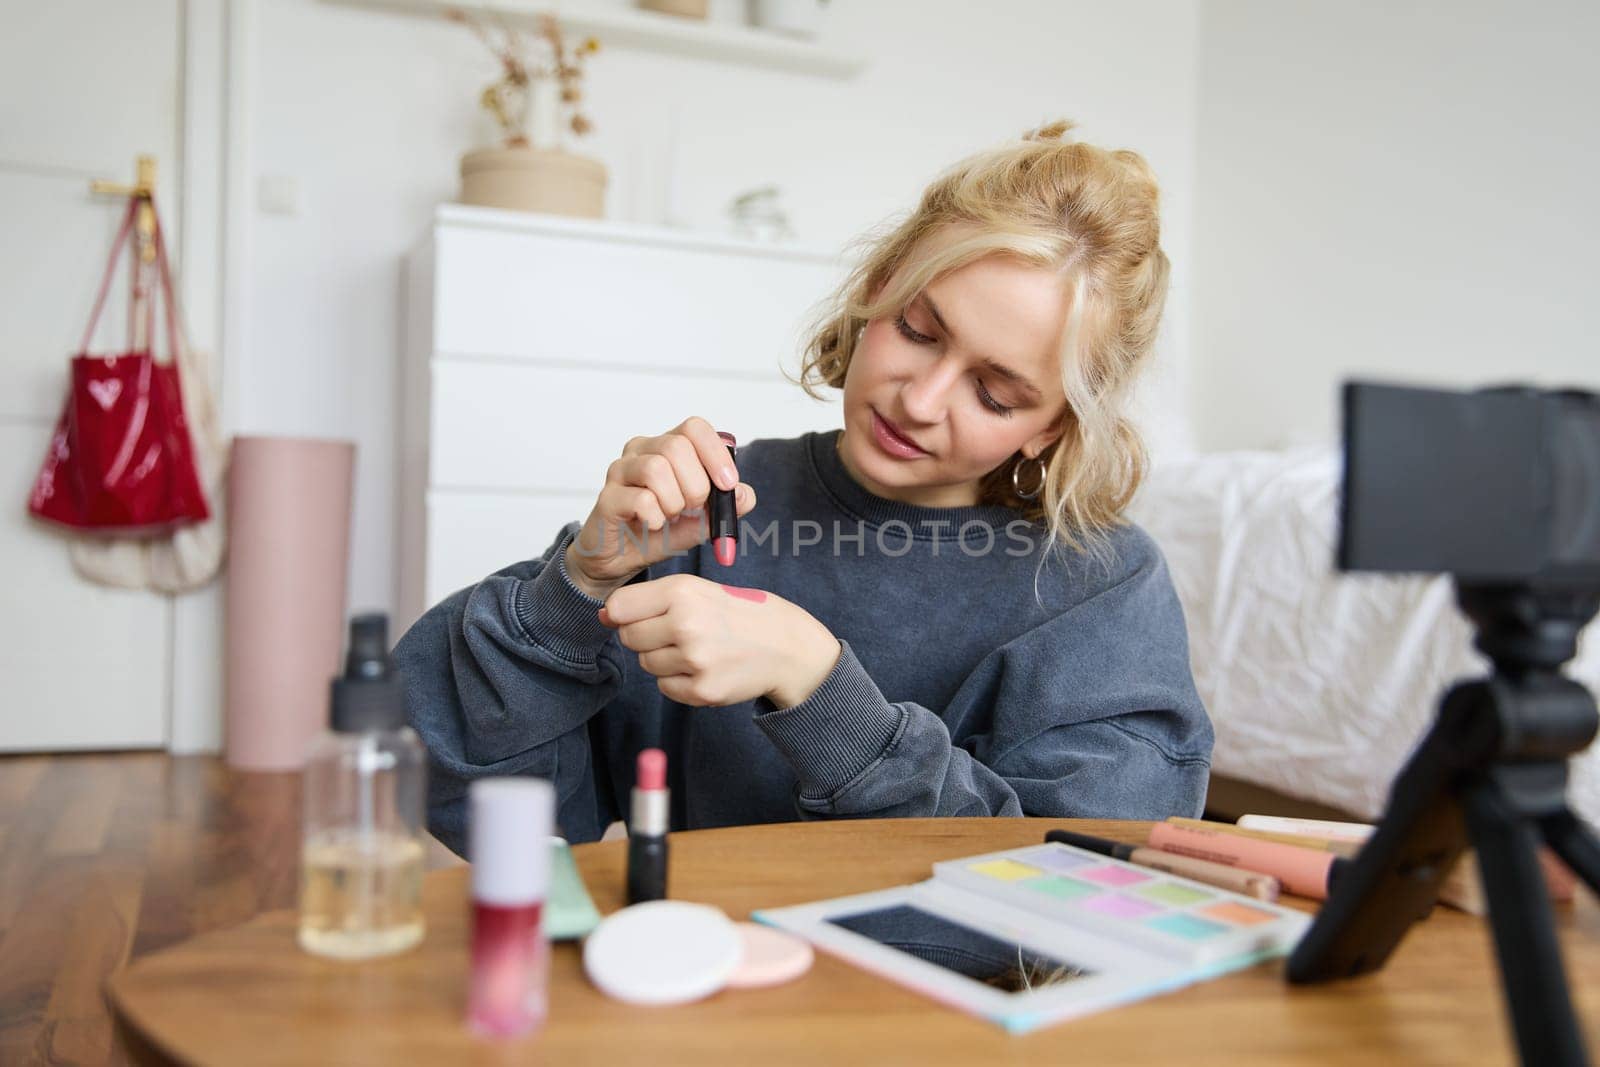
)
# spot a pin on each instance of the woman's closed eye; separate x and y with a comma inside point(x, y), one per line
point(984, 396)
point(911, 335)
point(991, 403)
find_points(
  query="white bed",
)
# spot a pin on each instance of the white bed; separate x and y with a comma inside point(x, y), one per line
point(1319, 684)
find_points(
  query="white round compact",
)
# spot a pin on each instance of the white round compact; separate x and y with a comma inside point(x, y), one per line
point(662, 952)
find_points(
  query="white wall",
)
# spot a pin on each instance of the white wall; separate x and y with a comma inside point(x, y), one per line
point(368, 111)
point(1397, 190)
point(1351, 188)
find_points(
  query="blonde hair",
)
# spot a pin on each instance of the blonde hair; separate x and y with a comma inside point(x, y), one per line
point(1085, 212)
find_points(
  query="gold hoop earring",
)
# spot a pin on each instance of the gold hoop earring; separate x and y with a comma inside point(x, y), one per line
point(1016, 478)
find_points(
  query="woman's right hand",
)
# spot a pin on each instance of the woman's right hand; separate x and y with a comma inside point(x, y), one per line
point(653, 505)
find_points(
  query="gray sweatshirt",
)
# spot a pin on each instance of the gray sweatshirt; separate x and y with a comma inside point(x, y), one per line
point(982, 672)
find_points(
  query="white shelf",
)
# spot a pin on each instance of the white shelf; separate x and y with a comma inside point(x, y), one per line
point(627, 28)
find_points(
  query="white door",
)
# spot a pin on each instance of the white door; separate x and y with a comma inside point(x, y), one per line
point(85, 87)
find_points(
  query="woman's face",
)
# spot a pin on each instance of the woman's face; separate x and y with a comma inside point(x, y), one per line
point(967, 377)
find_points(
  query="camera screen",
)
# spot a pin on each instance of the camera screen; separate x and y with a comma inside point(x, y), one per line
point(1492, 485)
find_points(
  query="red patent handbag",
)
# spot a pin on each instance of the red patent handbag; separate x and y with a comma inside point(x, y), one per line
point(121, 459)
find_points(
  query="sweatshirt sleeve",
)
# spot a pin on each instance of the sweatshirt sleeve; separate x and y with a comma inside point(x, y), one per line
point(503, 678)
point(1093, 714)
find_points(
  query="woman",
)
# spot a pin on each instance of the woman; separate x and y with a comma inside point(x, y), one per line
point(938, 610)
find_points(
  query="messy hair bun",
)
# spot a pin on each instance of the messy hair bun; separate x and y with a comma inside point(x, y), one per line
point(1054, 131)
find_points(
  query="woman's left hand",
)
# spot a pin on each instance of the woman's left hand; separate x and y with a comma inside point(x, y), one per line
point(711, 645)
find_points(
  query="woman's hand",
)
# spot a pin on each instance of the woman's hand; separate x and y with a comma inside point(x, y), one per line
point(711, 645)
point(653, 505)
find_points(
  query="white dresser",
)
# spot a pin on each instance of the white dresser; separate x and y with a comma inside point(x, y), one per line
point(535, 346)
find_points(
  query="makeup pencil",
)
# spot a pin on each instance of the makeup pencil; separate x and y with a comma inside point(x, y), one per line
point(1250, 883)
point(1339, 847)
point(1309, 872)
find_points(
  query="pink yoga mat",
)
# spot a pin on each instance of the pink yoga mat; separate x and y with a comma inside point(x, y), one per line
point(288, 560)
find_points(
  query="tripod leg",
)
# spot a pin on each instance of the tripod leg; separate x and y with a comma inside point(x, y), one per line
point(1575, 844)
point(1524, 931)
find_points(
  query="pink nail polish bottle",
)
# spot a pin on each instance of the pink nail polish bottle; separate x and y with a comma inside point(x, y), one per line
point(511, 821)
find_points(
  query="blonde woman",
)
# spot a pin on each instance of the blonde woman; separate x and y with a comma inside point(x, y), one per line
point(938, 610)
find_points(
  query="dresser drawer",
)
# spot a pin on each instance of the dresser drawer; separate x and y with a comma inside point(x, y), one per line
point(504, 426)
point(616, 303)
point(537, 346)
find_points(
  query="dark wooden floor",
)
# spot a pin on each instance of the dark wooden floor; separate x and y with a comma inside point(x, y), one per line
point(104, 858)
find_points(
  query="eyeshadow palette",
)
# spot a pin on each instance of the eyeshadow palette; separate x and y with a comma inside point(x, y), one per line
point(1161, 913)
point(1041, 934)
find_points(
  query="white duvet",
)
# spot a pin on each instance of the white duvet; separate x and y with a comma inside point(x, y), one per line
point(1319, 684)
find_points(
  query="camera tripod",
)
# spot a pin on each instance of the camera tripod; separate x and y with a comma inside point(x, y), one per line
point(1491, 771)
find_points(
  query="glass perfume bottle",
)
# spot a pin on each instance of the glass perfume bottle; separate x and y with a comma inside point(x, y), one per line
point(365, 781)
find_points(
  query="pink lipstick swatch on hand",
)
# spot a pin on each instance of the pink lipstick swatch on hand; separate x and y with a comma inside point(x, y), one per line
point(755, 596)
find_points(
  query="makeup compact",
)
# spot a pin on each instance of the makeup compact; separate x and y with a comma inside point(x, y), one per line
point(1042, 934)
point(663, 952)
point(771, 957)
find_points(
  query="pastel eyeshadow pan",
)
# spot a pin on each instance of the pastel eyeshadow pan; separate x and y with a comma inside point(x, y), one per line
point(1113, 876)
point(1061, 888)
point(1056, 859)
point(1188, 927)
point(1174, 895)
point(1120, 907)
point(1237, 914)
point(1006, 870)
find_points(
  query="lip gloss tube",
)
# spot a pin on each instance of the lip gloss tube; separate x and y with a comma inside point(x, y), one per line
point(511, 820)
point(647, 834)
point(725, 513)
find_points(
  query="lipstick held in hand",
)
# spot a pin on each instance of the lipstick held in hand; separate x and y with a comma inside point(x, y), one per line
point(647, 834)
point(510, 849)
point(725, 513)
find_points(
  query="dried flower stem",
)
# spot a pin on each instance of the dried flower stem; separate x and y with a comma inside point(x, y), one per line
point(508, 99)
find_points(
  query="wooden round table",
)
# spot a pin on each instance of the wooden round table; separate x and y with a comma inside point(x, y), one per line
point(248, 995)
